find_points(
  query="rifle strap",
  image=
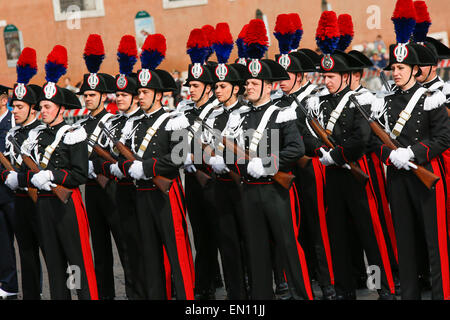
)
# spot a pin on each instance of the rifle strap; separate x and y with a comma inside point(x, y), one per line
point(305, 93)
point(336, 113)
point(95, 134)
point(151, 132)
point(198, 122)
point(258, 134)
point(405, 114)
point(51, 148)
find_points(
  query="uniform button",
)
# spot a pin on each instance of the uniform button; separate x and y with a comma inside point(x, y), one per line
point(417, 130)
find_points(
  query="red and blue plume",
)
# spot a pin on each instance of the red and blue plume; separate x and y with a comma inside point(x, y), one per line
point(153, 51)
point(127, 54)
point(423, 21)
point(224, 42)
point(94, 53)
point(56, 65)
point(404, 18)
point(197, 46)
point(297, 23)
point(345, 24)
point(284, 31)
point(210, 35)
point(26, 65)
point(242, 47)
point(256, 39)
point(327, 34)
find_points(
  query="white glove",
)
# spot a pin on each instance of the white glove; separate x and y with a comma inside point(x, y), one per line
point(255, 168)
point(12, 181)
point(188, 164)
point(91, 174)
point(114, 168)
point(326, 158)
point(401, 157)
point(218, 164)
point(48, 186)
point(43, 179)
point(136, 170)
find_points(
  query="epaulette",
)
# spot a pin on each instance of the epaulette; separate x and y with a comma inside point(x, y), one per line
point(177, 121)
point(75, 135)
point(434, 99)
point(365, 98)
point(446, 88)
point(184, 105)
point(286, 114)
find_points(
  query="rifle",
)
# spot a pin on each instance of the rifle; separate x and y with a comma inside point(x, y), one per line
point(102, 180)
point(282, 178)
point(360, 175)
point(32, 192)
point(161, 182)
point(210, 151)
point(384, 81)
point(61, 192)
point(428, 178)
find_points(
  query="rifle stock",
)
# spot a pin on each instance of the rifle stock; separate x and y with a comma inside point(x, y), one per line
point(161, 182)
point(61, 192)
point(282, 178)
point(356, 171)
point(323, 135)
point(32, 192)
point(428, 178)
point(233, 175)
point(304, 161)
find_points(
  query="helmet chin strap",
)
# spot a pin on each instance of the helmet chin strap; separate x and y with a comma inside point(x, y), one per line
point(340, 85)
point(262, 89)
point(231, 95)
point(295, 82)
point(428, 75)
point(203, 92)
point(57, 114)
point(152, 104)
point(410, 76)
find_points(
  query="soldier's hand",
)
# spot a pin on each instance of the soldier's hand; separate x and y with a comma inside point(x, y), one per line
point(326, 158)
point(12, 181)
point(218, 164)
point(92, 174)
point(255, 168)
point(114, 168)
point(136, 170)
point(41, 179)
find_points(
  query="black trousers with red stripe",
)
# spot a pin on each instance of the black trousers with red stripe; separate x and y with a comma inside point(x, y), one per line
point(134, 268)
point(162, 224)
point(378, 178)
point(416, 210)
point(313, 231)
point(267, 214)
point(64, 235)
point(201, 208)
point(348, 201)
point(103, 221)
point(26, 231)
point(228, 223)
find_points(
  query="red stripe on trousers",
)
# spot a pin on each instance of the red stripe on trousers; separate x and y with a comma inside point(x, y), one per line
point(83, 227)
point(319, 176)
point(377, 225)
point(168, 271)
point(442, 230)
point(300, 252)
point(446, 156)
point(381, 178)
point(182, 247)
point(188, 243)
